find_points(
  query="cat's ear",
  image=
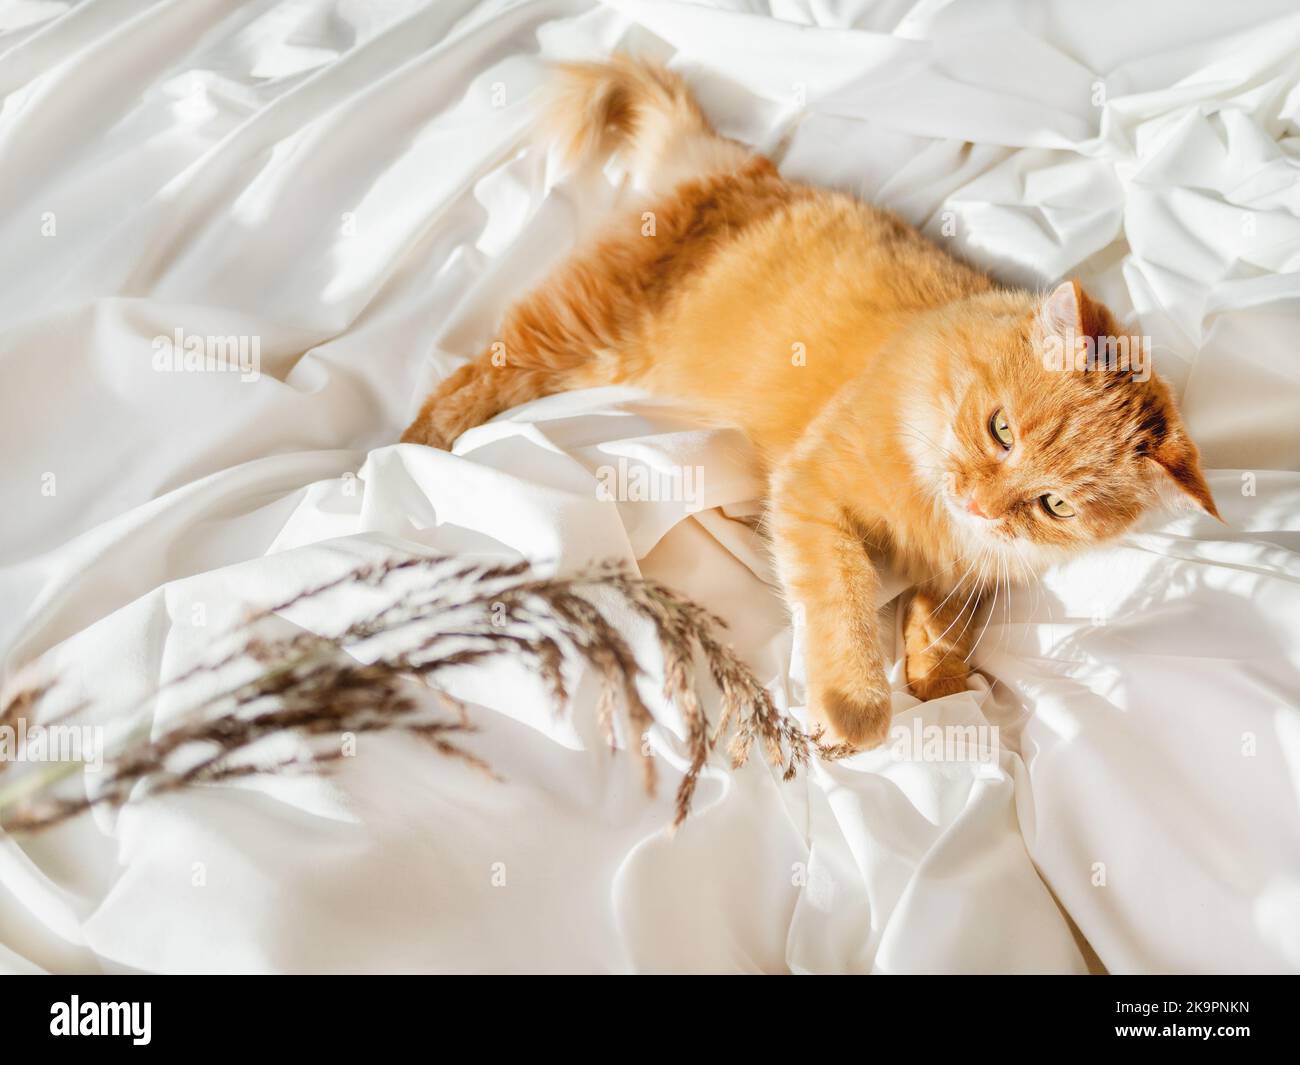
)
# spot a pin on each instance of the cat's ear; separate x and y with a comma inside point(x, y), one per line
point(1178, 465)
point(1069, 312)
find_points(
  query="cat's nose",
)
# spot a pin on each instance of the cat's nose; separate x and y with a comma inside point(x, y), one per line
point(973, 507)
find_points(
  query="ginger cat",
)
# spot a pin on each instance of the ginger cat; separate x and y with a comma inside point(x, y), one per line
point(895, 395)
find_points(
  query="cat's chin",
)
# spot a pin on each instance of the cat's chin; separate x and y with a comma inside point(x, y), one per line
point(981, 539)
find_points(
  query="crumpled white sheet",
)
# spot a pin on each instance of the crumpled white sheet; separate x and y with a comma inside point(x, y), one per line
point(349, 182)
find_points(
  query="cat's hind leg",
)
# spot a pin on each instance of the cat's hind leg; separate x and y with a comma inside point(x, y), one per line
point(476, 393)
point(550, 341)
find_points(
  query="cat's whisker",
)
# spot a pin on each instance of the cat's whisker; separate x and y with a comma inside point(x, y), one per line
point(977, 593)
point(1022, 573)
point(972, 596)
point(996, 583)
point(954, 588)
point(1006, 613)
point(1032, 575)
point(957, 616)
point(1038, 588)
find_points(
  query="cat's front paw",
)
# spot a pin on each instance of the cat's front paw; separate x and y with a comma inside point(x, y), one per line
point(861, 720)
point(927, 685)
point(936, 664)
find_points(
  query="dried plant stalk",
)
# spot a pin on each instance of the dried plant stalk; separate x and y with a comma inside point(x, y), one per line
point(304, 690)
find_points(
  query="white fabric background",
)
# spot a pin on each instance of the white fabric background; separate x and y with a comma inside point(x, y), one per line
point(349, 181)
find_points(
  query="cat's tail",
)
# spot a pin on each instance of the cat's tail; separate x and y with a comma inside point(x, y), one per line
point(641, 110)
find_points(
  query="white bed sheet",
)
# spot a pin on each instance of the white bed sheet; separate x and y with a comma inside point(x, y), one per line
point(349, 182)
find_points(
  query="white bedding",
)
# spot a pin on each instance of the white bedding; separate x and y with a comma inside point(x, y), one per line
point(348, 182)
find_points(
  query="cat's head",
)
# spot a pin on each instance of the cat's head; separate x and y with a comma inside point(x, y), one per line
point(1051, 433)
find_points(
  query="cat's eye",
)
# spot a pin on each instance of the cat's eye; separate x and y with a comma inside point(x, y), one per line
point(1001, 429)
point(1056, 506)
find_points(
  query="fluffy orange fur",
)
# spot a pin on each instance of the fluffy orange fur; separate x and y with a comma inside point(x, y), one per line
point(896, 396)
